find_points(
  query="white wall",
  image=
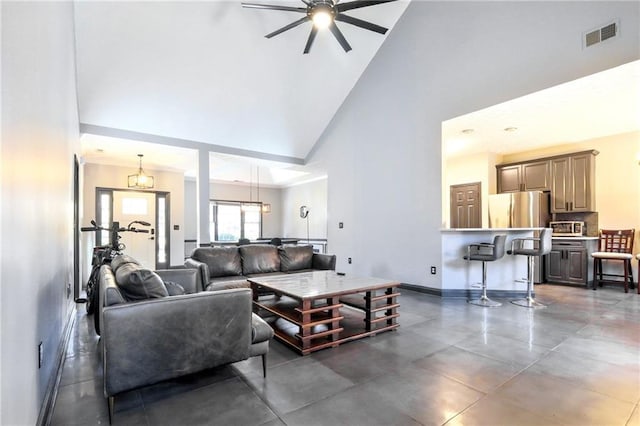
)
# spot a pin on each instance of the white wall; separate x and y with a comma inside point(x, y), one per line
point(104, 176)
point(314, 196)
point(382, 150)
point(39, 138)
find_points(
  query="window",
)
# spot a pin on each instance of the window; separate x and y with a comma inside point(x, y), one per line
point(232, 220)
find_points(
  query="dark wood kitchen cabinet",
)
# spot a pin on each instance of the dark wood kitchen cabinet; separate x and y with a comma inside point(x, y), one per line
point(529, 176)
point(568, 262)
point(573, 183)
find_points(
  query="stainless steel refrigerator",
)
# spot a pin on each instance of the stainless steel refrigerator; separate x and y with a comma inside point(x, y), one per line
point(527, 209)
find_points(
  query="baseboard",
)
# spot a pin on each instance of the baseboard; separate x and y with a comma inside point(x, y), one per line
point(464, 293)
point(46, 410)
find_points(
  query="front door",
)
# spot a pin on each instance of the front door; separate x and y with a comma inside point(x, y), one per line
point(129, 206)
point(465, 206)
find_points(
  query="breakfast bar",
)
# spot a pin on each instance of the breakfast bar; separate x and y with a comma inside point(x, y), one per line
point(459, 276)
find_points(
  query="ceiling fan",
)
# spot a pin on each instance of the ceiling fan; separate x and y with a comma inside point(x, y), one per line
point(323, 14)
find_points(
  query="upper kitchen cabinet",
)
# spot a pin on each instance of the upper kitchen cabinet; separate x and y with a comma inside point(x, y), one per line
point(529, 176)
point(573, 183)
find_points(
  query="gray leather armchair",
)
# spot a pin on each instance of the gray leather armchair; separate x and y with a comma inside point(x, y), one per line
point(149, 341)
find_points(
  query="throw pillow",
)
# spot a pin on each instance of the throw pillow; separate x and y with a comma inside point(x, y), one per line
point(174, 289)
point(138, 283)
point(120, 260)
point(295, 258)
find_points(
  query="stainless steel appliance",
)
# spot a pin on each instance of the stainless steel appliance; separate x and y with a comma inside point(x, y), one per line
point(567, 228)
point(526, 209)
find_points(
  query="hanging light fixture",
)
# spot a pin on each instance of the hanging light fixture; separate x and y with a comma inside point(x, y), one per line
point(140, 180)
point(266, 207)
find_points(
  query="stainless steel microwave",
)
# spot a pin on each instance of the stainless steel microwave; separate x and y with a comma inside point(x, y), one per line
point(567, 228)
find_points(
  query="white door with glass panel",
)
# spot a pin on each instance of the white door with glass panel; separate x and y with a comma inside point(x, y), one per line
point(129, 206)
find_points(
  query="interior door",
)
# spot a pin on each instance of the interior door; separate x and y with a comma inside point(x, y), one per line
point(465, 206)
point(133, 205)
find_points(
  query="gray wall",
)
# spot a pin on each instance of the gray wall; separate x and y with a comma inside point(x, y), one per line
point(39, 138)
point(382, 150)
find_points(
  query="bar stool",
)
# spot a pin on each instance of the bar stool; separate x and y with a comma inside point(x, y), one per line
point(541, 246)
point(615, 245)
point(486, 252)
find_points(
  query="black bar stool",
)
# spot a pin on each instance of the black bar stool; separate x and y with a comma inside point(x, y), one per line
point(486, 252)
point(540, 247)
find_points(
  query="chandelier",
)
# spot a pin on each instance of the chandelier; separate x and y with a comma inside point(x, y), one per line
point(140, 180)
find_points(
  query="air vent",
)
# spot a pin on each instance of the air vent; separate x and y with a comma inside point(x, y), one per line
point(601, 34)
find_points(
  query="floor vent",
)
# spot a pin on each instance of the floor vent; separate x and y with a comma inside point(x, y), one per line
point(601, 34)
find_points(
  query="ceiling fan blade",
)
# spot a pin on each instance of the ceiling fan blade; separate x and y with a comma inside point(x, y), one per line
point(360, 23)
point(312, 36)
point(275, 7)
point(341, 7)
point(338, 35)
point(288, 27)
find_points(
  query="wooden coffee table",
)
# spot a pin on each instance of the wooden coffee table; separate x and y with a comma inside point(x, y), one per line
point(320, 309)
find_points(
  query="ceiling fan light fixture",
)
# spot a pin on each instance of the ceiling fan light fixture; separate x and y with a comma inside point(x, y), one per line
point(322, 17)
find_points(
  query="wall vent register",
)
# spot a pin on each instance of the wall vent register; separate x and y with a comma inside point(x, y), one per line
point(601, 34)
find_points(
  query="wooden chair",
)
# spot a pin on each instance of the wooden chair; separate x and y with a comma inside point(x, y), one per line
point(615, 246)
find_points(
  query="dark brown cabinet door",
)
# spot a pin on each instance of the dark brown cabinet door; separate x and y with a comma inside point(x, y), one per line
point(560, 187)
point(581, 183)
point(465, 206)
point(572, 183)
point(536, 176)
point(554, 266)
point(577, 266)
point(509, 179)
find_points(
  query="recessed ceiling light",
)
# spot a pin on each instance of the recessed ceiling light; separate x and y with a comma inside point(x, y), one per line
point(510, 129)
point(468, 131)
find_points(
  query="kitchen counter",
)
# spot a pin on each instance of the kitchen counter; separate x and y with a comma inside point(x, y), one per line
point(583, 238)
point(489, 229)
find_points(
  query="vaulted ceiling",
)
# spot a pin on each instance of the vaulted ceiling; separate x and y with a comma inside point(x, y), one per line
point(204, 72)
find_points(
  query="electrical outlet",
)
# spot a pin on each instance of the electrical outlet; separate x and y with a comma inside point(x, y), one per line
point(40, 355)
point(340, 225)
point(433, 270)
point(349, 261)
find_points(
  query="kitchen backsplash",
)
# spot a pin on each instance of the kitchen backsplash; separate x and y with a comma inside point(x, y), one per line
point(590, 221)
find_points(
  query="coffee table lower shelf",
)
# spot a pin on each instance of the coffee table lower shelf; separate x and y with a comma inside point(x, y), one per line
point(311, 326)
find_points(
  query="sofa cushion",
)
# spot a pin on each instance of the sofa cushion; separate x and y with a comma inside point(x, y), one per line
point(224, 283)
point(259, 259)
point(294, 258)
point(138, 283)
point(120, 260)
point(221, 261)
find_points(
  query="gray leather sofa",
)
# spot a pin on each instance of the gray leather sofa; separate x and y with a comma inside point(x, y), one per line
point(149, 335)
point(229, 267)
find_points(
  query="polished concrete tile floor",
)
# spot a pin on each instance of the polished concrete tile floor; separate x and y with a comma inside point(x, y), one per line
point(577, 362)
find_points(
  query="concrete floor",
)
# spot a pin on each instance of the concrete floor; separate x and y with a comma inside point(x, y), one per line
point(576, 362)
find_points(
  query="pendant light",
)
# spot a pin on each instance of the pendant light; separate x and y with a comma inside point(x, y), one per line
point(266, 207)
point(140, 180)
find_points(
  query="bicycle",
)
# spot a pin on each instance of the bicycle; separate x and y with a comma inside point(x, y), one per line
point(103, 254)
